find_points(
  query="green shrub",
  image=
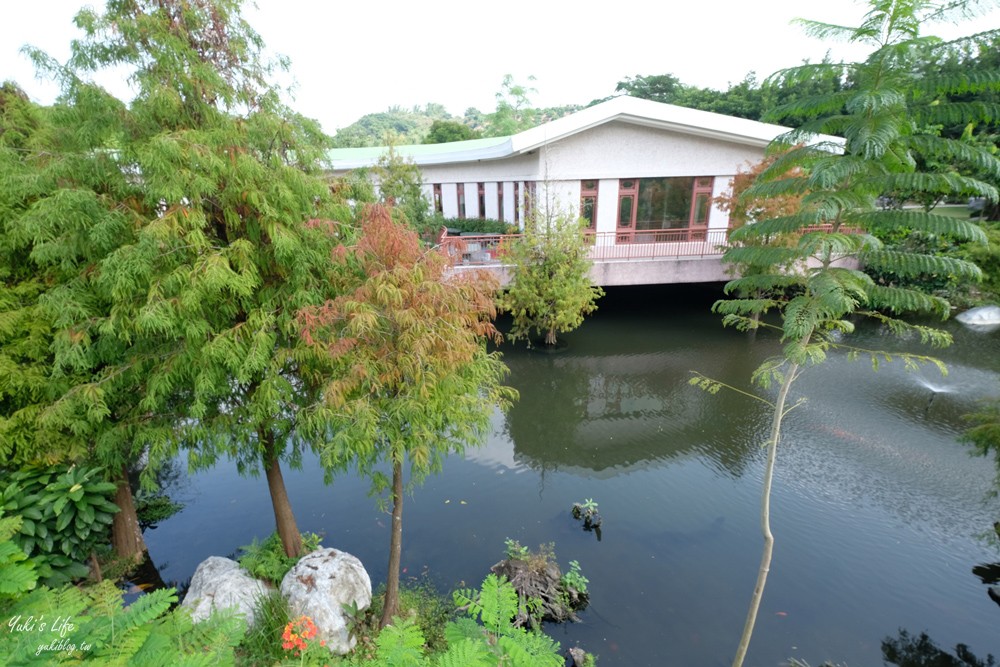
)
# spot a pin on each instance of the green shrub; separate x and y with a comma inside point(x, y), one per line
point(17, 573)
point(262, 643)
point(65, 513)
point(491, 641)
point(267, 560)
point(574, 578)
point(91, 625)
point(475, 225)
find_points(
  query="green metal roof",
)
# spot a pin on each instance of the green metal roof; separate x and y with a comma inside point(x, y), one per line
point(413, 151)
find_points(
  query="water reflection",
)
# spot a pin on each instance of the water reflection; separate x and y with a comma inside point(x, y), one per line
point(876, 506)
point(920, 651)
point(597, 412)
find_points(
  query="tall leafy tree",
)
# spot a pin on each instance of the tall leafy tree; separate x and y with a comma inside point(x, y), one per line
point(445, 131)
point(550, 290)
point(400, 188)
point(837, 219)
point(192, 224)
point(412, 378)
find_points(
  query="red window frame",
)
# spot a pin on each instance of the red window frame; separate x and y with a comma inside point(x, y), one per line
point(588, 191)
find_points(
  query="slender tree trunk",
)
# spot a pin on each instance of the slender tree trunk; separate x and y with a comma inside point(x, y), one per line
point(126, 536)
point(284, 519)
point(765, 516)
point(391, 607)
point(550, 337)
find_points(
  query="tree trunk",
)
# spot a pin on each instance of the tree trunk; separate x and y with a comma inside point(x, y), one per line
point(391, 607)
point(765, 516)
point(550, 337)
point(126, 536)
point(284, 519)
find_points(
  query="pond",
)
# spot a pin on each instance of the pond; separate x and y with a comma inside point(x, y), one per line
point(878, 511)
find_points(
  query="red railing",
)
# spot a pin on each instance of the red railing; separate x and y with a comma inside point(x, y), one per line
point(604, 246)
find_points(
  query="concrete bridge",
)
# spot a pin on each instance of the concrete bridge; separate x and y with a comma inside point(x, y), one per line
point(619, 258)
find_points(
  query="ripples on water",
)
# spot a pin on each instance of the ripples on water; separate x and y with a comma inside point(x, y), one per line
point(876, 506)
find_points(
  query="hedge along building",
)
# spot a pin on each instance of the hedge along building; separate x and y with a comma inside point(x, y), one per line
point(643, 175)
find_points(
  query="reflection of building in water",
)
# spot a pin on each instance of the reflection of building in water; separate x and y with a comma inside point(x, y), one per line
point(608, 414)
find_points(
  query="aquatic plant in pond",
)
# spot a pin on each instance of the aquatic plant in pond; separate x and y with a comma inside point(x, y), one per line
point(587, 512)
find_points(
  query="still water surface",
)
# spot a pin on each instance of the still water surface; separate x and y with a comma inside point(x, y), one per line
point(877, 511)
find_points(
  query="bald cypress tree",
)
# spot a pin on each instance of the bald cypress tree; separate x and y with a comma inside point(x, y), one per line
point(180, 233)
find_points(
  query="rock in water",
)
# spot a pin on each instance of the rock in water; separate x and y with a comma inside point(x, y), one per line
point(982, 318)
point(219, 583)
point(318, 587)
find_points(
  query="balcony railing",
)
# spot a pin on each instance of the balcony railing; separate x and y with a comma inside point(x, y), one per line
point(486, 249)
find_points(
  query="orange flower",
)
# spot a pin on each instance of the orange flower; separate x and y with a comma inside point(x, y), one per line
point(297, 632)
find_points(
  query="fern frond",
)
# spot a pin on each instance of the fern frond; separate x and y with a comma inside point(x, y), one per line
point(829, 173)
point(835, 205)
point(870, 136)
point(467, 653)
point(969, 81)
point(956, 113)
point(810, 106)
point(17, 573)
point(902, 300)
point(528, 649)
point(756, 282)
point(213, 639)
point(826, 31)
point(945, 184)
point(785, 224)
point(789, 185)
point(909, 265)
point(401, 644)
point(760, 255)
point(874, 101)
point(498, 603)
point(951, 151)
point(831, 244)
point(927, 335)
point(918, 220)
point(801, 317)
point(463, 628)
point(840, 291)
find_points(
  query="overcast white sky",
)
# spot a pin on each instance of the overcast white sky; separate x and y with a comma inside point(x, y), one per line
point(357, 57)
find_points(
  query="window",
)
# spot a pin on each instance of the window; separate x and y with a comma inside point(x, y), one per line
point(626, 202)
point(665, 203)
point(438, 205)
point(500, 201)
point(482, 200)
point(461, 199)
point(517, 204)
point(702, 201)
point(588, 203)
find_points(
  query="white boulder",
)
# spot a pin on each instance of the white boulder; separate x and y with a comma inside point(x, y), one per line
point(318, 587)
point(983, 318)
point(219, 583)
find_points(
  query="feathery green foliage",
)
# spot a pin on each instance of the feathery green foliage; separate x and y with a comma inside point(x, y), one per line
point(399, 185)
point(550, 290)
point(17, 573)
point(411, 377)
point(72, 625)
point(984, 434)
point(470, 644)
point(155, 254)
point(267, 560)
point(885, 149)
